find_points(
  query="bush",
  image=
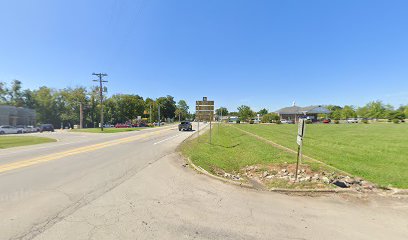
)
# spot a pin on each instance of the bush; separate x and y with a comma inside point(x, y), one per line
point(395, 120)
point(308, 121)
point(251, 121)
point(364, 121)
point(336, 121)
point(238, 121)
point(278, 122)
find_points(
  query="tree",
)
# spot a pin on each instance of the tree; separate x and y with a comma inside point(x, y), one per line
point(124, 107)
point(69, 104)
point(46, 106)
point(336, 114)
point(221, 111)
point(3, 93)
point(167, 106)
point(348, 112)
point(151, 109)
point(263, 112)
point(270, 117)
point(181, 110)
point(15, 94)
point(376, 109)
point(245, 113)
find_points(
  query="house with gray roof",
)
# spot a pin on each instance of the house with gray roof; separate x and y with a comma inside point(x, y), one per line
point(296, 112)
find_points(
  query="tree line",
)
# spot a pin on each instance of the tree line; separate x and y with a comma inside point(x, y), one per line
point(61, 107)
point(372, 110)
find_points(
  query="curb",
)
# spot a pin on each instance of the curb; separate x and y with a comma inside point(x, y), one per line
point(203, 171)
point(285, 190)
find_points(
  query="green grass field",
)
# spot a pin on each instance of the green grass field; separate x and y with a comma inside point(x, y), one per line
point(8, 142)
point(376, 152)
point(232, 150)
point(106, 130)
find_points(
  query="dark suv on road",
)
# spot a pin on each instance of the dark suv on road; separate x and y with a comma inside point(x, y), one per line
point(47, 127)
point(185, 126)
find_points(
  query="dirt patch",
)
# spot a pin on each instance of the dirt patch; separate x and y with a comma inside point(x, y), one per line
point(283, 176)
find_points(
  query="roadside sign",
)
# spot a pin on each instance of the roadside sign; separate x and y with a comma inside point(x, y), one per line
point(204, 110)
point(299, 140)
point(301, 131)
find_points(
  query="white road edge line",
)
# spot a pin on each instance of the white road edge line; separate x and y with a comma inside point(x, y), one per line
point(167, 139)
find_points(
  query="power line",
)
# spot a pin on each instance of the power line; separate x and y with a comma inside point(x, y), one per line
point(101, 81)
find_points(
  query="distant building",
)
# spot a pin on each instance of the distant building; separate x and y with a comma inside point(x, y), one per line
point(233, 119)
point(296, 112)
point(13, 116)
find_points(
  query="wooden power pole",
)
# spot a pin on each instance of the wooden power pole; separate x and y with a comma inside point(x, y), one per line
point(101, 81)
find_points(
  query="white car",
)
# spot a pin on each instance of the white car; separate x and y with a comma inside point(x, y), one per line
point(284, 121)
point(31, 129)
point(352, 120)
point(7, 129)
point(21, 129)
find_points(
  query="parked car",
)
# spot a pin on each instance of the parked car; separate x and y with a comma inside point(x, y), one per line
point(21, 129)
point(185, 126)
point(326, 121)
point(284, 121)
point(352, 120)
point(46, 128)
point(7, 129)
point(122, 125)
point(31, 129)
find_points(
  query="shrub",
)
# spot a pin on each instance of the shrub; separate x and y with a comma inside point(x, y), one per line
point(308, 121)
point(364, 121)
point(278, 122)
point(336, 121)
point(238, 121)
point(395, 120)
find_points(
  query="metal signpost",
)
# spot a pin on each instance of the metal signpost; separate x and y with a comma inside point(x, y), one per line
point(205, 112)
point(299, 140)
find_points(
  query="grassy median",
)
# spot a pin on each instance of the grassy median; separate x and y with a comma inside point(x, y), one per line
point(107, 130)
point(11, 141)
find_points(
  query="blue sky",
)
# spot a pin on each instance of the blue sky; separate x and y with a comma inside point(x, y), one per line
point(258, 53)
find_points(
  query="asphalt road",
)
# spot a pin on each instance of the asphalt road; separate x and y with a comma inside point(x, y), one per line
point(133, 186)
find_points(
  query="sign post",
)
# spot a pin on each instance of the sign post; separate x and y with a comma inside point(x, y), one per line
point(205, 112)
point(299, 141)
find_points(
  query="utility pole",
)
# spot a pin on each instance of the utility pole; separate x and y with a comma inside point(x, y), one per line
point(81, 116)
point(150, 113)
point(159, 115)
point(101, 81)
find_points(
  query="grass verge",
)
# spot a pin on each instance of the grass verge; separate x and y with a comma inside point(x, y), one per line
point(375, 152)
point(8, 141)
point(231, 151)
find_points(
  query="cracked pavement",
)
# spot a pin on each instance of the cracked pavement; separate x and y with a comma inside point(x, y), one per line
point(139, 190)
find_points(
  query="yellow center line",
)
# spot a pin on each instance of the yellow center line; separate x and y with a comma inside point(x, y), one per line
point(55, 156)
